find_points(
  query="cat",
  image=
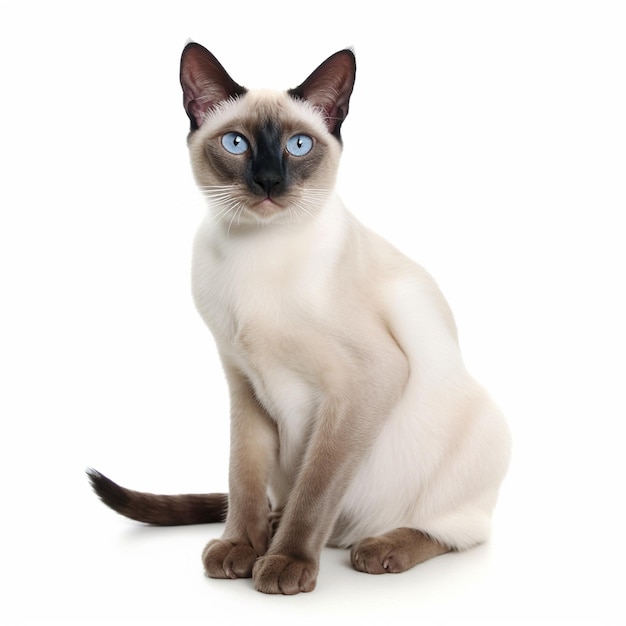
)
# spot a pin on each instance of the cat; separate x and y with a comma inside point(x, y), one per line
point(354, 422)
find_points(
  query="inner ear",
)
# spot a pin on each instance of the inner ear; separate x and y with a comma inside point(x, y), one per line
point(205, 83)
point(329, 88)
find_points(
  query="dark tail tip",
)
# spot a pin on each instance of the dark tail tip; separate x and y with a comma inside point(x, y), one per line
point(160, 510)
point(109, 492)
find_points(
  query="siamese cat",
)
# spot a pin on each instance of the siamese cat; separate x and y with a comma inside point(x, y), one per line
point(354, 422)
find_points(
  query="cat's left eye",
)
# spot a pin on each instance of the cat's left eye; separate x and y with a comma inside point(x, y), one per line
point(299, 145)
point(235, 143)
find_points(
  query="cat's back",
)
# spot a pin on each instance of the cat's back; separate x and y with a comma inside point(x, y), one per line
point(403, 285)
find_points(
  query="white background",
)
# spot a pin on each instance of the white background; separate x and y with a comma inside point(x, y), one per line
point(485, 139)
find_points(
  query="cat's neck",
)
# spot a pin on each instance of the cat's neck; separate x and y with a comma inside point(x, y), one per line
point(315, 242)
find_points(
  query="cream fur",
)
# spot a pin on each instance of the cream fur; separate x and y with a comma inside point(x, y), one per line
point(350, 405)
point(320, 307)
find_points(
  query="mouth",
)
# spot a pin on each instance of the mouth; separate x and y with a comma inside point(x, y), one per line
point(266, 207)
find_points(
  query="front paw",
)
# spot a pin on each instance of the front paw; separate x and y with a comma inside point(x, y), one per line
point(278, 573)
point(223, 559)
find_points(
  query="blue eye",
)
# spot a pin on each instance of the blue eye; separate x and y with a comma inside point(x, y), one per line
point(299, 145)
point(234, 143)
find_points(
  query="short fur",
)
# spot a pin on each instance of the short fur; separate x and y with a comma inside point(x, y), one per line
point(350, 404)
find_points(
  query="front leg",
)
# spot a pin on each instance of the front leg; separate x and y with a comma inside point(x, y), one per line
point(344, 431)
point(253, 442)
point(292, 562)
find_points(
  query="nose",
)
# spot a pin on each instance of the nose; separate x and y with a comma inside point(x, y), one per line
point(268, 181)
point(267, 163)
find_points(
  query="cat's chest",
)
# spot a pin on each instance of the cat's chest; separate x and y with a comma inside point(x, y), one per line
point(259, 292)
point(267, 306)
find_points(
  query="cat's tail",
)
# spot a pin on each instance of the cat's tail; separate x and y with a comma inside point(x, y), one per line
point(157, 509)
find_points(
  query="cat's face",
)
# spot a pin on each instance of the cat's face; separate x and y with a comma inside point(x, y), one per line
point(264, 156)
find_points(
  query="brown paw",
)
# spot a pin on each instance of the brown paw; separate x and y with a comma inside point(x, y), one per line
point(395, 551)
point(278, 573)
point(223, 559)
point(376, 555)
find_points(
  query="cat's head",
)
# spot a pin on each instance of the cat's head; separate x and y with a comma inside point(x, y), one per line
point(265, 155)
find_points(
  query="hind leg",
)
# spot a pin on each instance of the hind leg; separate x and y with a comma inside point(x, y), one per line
point(395, 551)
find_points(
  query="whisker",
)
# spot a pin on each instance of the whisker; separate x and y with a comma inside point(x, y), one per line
point(308, 204)
point(228, 205)
point(231, 186)
point(217, 194)
point(231, 207)
point(223, 209)
point(237, 214)
point(224, 202)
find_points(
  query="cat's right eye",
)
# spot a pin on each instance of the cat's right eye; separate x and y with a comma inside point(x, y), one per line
point(235, 143)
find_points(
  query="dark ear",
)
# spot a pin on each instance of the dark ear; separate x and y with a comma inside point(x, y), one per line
point(329, 87)
point(205, 83)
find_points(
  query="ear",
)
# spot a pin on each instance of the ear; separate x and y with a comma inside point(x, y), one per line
point(329, 88)
point(205, 83)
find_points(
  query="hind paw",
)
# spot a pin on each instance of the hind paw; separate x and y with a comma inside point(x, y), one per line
point(375, 555)
point(395, 551)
